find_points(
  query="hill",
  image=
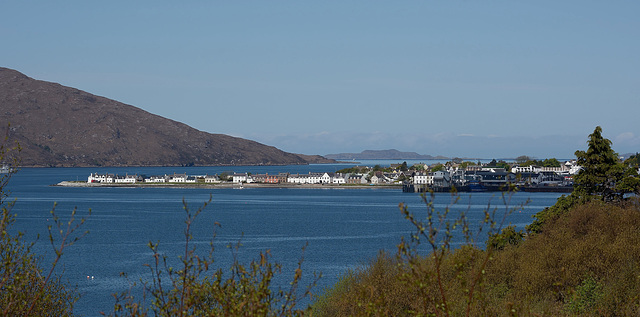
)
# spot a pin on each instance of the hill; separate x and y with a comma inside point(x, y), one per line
point(62, 126)
point(383, 155)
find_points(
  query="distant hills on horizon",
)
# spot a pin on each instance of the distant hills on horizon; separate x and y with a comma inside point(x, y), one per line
point(391, 154)
point(59, 126)
point(394, 154)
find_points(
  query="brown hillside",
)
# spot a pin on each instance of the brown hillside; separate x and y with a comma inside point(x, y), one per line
point(63, 126)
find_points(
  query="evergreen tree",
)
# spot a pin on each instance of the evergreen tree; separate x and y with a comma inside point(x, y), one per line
point(633, 161)
point(603, 174)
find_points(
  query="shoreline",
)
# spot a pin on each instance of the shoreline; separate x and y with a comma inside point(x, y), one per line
point(81, 184)
point(219, 186)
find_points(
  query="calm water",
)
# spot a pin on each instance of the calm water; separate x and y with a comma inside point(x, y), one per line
point(343, 227)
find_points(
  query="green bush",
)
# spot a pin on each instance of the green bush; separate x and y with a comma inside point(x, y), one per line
point(26, 289)
point(586, 262)
point(585, 297)
point(442, 282)
point(195, 289)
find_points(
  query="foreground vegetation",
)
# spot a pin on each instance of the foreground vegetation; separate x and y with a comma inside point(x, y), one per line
point(586, 262)
point(579, 257)
point(26, 287)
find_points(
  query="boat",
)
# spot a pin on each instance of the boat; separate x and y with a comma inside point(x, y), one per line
point(5, 169)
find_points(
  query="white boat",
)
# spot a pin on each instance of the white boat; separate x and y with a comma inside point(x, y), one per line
point(5, 169)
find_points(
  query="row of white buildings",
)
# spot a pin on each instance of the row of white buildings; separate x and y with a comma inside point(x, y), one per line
point(132, 179)
point(450, 175)
point(310, 178)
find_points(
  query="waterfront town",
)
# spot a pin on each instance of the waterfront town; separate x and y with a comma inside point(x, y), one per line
point(419, 177)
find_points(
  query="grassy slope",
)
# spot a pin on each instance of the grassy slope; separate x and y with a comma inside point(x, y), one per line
point(586, 262)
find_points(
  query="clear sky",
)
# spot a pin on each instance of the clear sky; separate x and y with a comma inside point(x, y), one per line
point(489, 79)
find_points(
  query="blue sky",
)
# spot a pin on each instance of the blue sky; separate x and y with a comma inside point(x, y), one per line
point(455, 78)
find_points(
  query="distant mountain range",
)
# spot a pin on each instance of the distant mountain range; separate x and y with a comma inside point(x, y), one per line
point(62, 126)
point(383, 155)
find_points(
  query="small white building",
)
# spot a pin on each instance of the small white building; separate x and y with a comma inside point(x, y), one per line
point(293, 178)
point(573, 167)
point(178, 178)
point(325, 178)
point(314, 178)
point(211, 179)
point(100, 178)
point(339, 178)
point(127, 179)
point(311, 178)
point(525, 169)
point(422, 178)
point(156, 179)
point(241, 178)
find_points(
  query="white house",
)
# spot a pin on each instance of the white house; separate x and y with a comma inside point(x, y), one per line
point(325, 178)
point(178, 178)
point(573, 167)
point(339, 178)
point(211, 179)
point(394, 177)
point(293, 178)
point(525, 169)
point(156, 179)
point(311, 178)
point(422, 178)
point(127, 179)
point(241, 178)
point(100, 178)
point(315, 178)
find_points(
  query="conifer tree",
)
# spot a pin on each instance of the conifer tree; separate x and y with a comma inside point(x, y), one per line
point(603, 174)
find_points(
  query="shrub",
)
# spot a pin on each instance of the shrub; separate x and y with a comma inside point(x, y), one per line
point(26, 289)
point(195, 289)
point(554, 271)
point(586, 261)
point(441, 282)
point(372, 289)
point(585, 297)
